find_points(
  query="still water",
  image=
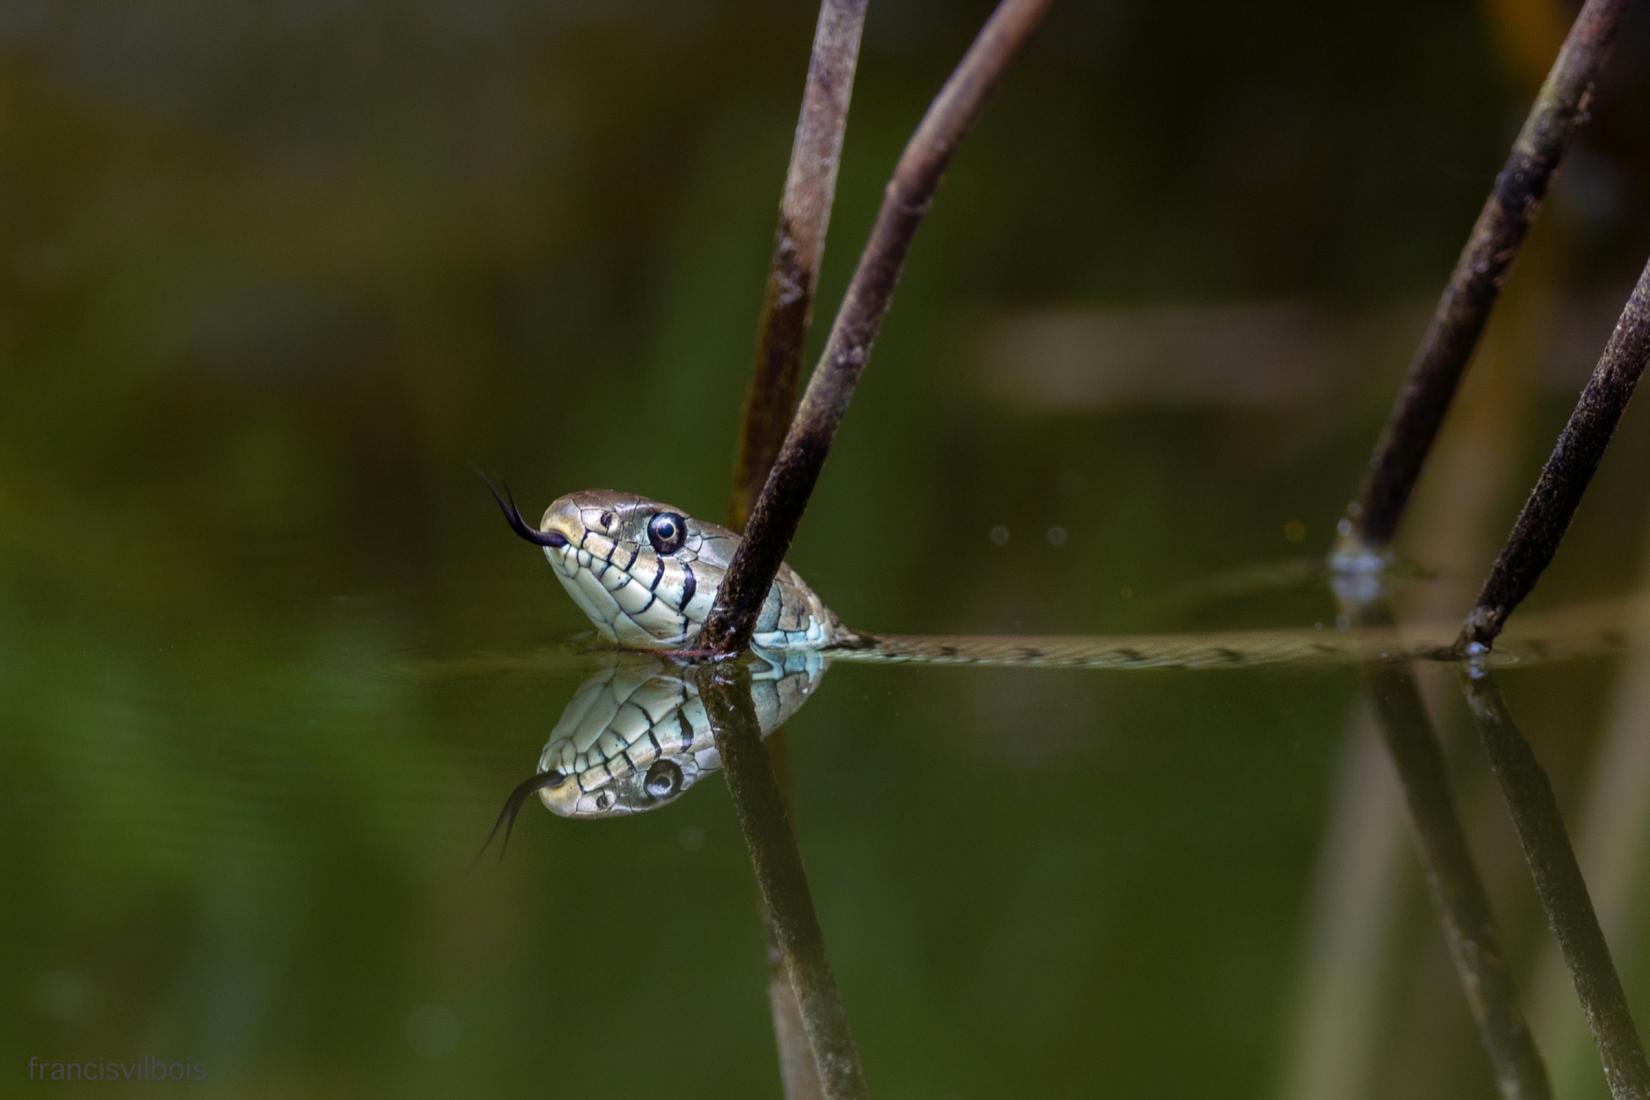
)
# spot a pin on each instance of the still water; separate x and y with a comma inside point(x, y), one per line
point(272, 664)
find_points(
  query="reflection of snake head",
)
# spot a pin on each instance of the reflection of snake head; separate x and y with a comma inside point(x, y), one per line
point(647, 573)
point(630, 792)
point(635, 735)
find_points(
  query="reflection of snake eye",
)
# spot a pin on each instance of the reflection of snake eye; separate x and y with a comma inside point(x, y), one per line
point(662, 779)
point(666, 532)
point(607, 519)
point(604, 800)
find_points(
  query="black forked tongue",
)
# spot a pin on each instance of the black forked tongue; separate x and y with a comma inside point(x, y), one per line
point(512, 809)
point(512, 516)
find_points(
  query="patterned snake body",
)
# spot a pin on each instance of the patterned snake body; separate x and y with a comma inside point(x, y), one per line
point(646, 574)
point(636, 735)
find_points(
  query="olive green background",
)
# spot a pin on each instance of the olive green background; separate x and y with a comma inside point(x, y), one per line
point(272, 275)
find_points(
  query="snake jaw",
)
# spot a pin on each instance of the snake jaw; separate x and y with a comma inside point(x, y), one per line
point(634, 596)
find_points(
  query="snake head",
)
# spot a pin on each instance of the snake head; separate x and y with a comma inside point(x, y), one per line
point(643, 572)
point(646, 573)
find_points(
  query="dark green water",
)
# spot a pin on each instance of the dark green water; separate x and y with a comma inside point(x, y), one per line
point(270, 278)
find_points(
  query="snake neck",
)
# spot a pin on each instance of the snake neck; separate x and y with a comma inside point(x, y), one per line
point(1579, 631)
point(1230, 650)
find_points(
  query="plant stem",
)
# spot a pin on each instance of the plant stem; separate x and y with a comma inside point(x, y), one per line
point(798, 1072)
point(1562, 890)
point(793, 276)
point(1558, 491)
point(799, 245)
point(1458, 894)
point(777, 863)
point(1458, 320)
point(785, 494)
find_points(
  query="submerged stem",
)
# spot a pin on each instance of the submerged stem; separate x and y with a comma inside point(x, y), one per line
point(1457, 891)
point(777, 863)
point(1562, 890)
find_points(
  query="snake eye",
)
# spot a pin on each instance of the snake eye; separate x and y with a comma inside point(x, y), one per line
point(607, 520)
point(666, 532)
point(663, 780)
point(604, 800)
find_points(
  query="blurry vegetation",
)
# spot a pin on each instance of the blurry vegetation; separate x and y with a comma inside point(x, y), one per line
point(270, 275)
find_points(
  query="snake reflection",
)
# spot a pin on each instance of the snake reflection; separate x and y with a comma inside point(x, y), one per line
point(635, 735)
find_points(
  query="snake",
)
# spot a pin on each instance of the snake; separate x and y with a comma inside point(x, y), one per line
point(646, 574)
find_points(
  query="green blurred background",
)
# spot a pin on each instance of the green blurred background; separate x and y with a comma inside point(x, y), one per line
point(273, 274)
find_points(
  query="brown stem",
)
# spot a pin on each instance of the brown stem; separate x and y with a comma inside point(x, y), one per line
point(785, 494)
point(1562, 890)
point(1559, 110)
point(1458, 894)
point(799, 244)
point(798, 1072)
point(793, 276)
point(1558, 491)
point(780, 877)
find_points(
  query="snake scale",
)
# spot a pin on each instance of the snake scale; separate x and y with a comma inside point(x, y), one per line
point(646, 574)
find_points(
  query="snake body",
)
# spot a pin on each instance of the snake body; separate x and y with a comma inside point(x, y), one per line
point(636, 734)
point(647, 573)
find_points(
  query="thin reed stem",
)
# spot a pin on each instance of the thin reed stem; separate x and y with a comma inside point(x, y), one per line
point(799, 246)
point(1458, 894)
point(1457, 891)
point(726, 690)
point(790, 484)
point(797, 1070)
point(1560, 109)
point(1562, 890)
point(1558, 491)
point(793, 276)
